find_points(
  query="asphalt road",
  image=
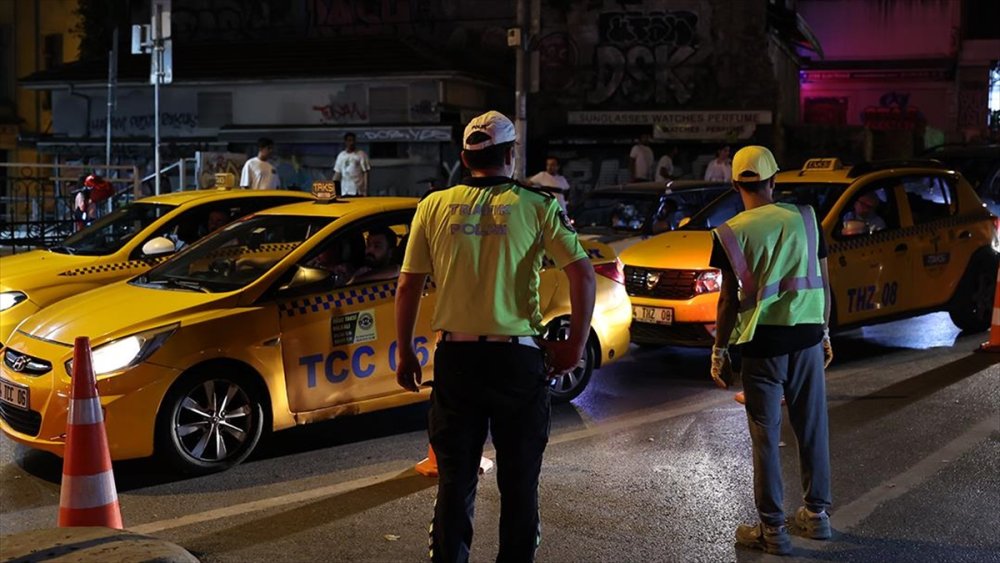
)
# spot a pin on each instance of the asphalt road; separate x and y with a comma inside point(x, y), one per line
point(651, 463)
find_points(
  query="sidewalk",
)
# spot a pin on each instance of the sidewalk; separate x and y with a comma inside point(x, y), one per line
point(89, 545)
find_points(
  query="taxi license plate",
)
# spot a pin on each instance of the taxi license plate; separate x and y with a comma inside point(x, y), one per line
point(658, 315)
point(13, 394)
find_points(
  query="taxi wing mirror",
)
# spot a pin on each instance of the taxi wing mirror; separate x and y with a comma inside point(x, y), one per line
point(158, 246)
point(853, 228)
point(683, 222)
point(307, 280)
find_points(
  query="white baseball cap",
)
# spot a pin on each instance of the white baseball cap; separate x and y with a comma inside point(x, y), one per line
point(753, 163)
point(494, 125)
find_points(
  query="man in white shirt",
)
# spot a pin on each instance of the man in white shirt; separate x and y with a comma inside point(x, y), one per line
point(258, 173)
point(641, 160)
point(665, 167)
point(351, 168)
point(553, 182)
point(720, 169)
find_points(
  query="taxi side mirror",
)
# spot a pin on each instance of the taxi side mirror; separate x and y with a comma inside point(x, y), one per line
point(853, 228)
point(159, 246)
point(683, 222)
point(307, 280)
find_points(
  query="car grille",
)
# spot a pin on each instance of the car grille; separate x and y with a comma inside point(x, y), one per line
point(23, 363)
point(672, 284)
point(684, 334)
point(25, 422)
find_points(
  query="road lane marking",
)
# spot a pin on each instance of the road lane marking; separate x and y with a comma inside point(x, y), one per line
point(615, 424)
point(854, 512)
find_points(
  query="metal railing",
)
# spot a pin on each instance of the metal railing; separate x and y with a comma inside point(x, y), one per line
point(36, 200)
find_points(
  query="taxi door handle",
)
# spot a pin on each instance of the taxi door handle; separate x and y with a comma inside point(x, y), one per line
point(965, 235)
point(902, 247)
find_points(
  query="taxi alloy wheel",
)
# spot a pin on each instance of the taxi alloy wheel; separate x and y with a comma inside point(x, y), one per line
point(569, 386)
point(972, 306)
point(213, 423)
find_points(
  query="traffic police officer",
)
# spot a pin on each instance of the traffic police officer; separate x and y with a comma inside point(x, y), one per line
point(483, 242)
point(775, 303)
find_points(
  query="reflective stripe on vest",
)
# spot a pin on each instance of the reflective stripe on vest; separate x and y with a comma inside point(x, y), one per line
point(752, 295)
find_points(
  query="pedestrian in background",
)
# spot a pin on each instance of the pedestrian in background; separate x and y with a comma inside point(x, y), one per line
point(775, 304)
point(351, 168)
point(720, 168)
point(641, 160)
point(552, 181)
point(258, 173)
point(665, 167)
point(483, 242)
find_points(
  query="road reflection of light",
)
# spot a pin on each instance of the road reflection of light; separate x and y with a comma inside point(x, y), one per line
point(921, 333)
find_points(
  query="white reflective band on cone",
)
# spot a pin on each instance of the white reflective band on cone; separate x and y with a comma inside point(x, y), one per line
point(85, 411)
point(89, 491)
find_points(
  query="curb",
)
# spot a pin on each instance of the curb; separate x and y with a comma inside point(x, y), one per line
point(89, 545)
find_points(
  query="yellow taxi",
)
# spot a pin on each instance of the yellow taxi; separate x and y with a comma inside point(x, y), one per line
point(113, 248)
point(282, 318)
point(904, 238)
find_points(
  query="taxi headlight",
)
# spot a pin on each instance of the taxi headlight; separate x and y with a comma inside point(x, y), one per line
point(10, 298)
point(127, 352)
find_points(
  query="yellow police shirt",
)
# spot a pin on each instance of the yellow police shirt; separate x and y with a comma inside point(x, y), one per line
point(483, 242)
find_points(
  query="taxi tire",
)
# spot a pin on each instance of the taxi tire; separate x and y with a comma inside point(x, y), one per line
point(168, 445)
point(559, 330)
point(971, 308)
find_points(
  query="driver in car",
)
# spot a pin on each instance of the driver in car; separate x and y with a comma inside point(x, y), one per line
point(864, 212)
point(379, 249)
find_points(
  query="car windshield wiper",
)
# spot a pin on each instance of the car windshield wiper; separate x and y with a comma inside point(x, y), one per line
point(62, 249)
point(176, 283)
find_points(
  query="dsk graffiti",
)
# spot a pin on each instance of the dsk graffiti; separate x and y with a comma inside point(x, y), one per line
point(640, 54)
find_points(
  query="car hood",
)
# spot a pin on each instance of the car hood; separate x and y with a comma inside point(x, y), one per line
point(21, 272)
point(114, 311)
point(617, 241)
point(680, 250)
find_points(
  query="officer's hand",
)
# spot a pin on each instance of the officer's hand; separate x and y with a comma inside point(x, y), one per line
point(721, 366)
point(408, 371)
point(562, 356)
point(827, 349)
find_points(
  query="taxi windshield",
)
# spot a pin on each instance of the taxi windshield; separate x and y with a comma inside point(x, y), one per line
point(820, 195)
point(109, 233)
point(602, 212)
point(234, 256)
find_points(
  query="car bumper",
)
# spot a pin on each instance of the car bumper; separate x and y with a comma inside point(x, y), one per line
point(611, 324)
point(130, 400)
point(693, 322)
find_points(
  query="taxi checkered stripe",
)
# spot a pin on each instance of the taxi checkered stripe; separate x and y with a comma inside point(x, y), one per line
point(242, 250)
point(112, 267)
point(347, 297)
point(882, 237)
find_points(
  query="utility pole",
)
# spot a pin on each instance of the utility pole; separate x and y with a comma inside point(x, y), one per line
point(155, 40)
point(112, 83)
point(516, 39)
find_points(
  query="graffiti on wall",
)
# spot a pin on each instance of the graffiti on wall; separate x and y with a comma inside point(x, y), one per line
point(639, 55)
point(341, 112)
point(893, 113)
point(179, 121)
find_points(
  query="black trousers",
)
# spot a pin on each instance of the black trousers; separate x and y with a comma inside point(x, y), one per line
point(499, 388)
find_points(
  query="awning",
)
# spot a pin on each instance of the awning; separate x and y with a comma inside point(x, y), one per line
point(408, 133)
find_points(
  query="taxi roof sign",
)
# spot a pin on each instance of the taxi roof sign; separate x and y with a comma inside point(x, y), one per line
point(324, 192)
point(821, 165)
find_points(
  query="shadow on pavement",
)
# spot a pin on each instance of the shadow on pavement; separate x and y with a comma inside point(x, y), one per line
point(886, 401)
point(851, 547)
point(277, 526)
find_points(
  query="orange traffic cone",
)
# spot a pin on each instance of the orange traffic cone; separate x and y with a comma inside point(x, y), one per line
point(87, 496)
point(428, 467)
point(993, 345)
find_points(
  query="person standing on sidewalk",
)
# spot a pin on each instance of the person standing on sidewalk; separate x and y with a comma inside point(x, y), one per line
point(483, 242)
point(552, 181)
point(775, 304)
point(258, 173)
point(351, 168)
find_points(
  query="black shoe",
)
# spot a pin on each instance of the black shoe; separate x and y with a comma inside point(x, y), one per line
point(771, 539)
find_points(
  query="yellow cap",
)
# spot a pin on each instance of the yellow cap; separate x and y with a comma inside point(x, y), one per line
point(753, 163)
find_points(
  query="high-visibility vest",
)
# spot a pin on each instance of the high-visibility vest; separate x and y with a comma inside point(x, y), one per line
point(773, 252)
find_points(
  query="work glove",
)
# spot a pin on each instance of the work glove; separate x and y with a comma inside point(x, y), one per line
point(721, 366)
point(827, 348)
